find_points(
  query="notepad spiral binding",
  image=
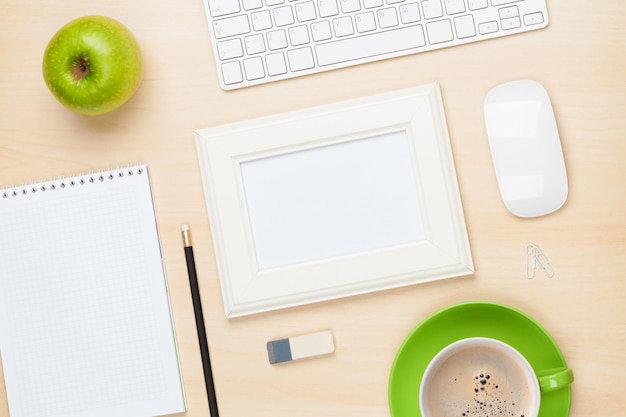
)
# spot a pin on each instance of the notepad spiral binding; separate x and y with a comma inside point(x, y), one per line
point(71, 181)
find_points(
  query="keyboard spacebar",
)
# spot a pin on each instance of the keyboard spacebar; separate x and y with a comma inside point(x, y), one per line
point(370, 45)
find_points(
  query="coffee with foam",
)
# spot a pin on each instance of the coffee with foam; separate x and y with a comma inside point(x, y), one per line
point(479, 377)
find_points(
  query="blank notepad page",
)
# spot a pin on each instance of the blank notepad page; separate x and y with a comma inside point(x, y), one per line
point(85, 322)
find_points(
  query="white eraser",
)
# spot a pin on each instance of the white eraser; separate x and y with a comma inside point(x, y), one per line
point(299, 347)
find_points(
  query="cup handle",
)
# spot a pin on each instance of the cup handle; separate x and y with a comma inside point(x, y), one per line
point(554, 379)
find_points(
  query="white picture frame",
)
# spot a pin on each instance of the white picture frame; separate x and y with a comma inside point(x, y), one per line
point(315, 158)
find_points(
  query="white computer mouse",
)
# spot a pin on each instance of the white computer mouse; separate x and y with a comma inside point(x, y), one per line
point(525, 148)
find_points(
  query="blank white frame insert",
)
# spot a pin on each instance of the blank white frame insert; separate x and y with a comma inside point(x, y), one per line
point(344, 198)
point(332, 201)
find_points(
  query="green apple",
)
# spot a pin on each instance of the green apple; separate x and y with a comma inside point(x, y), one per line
point(92, 65)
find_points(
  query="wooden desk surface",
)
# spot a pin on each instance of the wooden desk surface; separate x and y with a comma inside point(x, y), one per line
point(579, 58)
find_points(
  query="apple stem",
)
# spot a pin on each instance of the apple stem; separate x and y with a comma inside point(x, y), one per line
point(80, 69)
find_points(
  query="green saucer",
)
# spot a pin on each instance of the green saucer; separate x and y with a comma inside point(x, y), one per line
point(473, 319)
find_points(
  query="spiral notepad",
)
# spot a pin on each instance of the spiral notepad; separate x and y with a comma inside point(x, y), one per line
point(85, 321)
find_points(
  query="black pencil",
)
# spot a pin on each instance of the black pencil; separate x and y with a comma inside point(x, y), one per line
point(197, 306)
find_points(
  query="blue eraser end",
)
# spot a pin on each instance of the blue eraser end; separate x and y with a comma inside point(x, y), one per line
point(279, 351)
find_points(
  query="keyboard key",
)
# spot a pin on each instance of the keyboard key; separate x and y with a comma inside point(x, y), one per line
point(252, 4)
point(231, 73)
point(409, 13)
point(320, 31)
point(327, 8)
point(231, 26)
point(370, 4)
point(305, 11)
point(533, 19)
point(276, 39)
point(454, 6)
point(300, 59)
point(387, 18)
point(275, 64)
point(254, 44)
point(477, 4)
point(274, 2)
point(488, 27)
point(283, 16)
point(439, 31)
point(299, 35)
point(464, 26)
point(253, 67)
point(219, 8)
point(511, 23)
point(261, 20)
point(343, 26)
point(501, 2)
point(365, 22)
point(511, 11)
point(349, 6)
point(432, 9)
point(230, 49)
point(367, 46)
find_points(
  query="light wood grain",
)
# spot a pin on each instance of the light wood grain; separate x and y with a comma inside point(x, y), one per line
point(580, 60)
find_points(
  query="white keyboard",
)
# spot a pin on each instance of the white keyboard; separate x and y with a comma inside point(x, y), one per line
point(258, 41)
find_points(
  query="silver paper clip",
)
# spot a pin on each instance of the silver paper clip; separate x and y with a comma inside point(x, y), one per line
point(534, 258)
